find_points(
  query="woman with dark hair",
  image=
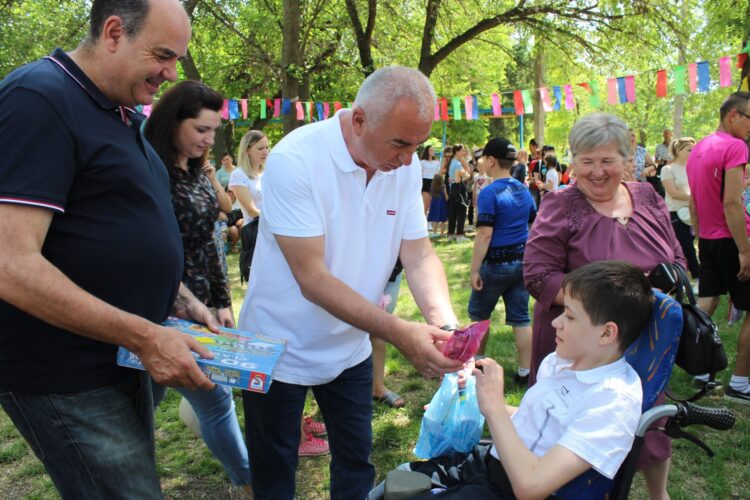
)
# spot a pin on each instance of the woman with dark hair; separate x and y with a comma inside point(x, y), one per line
point(430, 166)
point(458, 195)
point(181, 128)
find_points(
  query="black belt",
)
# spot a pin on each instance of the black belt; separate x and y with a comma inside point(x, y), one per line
point(501, 255)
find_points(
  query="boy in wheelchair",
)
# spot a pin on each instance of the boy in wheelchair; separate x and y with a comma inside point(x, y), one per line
point(583, 411)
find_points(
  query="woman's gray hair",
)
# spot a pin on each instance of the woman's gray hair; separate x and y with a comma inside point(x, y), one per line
point(597, 130)
point(381, 91)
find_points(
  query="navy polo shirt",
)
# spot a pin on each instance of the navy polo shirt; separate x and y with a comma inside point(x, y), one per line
point(507, 206)
point(68, 148)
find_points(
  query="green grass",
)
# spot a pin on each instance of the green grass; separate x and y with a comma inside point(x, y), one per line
point(188, 470)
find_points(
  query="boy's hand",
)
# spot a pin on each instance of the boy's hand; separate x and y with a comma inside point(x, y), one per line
point(490, 386)
point(463, 375)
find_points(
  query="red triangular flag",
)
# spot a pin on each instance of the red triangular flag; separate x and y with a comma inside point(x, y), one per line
point(518, 101)
point(444, 109)
point(661, 83)
point(586, 86)
point(741, 58)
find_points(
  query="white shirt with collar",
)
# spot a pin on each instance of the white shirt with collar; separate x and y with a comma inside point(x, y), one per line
point(593, 413)
point(312, 187)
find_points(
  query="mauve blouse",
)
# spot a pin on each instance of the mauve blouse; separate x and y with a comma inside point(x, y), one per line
point(568, 233)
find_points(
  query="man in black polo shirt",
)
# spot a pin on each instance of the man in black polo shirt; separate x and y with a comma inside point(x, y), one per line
point(90, 253)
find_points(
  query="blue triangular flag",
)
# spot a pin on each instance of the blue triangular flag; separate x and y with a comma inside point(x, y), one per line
point(621, 92)
point(558, 97)
point(704, 79)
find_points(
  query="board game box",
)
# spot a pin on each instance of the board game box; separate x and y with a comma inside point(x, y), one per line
point(241, 359)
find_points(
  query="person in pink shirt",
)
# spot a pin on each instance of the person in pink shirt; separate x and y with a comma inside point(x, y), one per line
point(716, 174)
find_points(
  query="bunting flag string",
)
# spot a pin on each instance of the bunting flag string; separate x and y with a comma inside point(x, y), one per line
point(688, 78)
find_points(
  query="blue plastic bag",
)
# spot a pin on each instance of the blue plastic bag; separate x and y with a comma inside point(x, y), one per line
point(452, 422)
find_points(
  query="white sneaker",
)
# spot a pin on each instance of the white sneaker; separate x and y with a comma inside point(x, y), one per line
point(461, 238)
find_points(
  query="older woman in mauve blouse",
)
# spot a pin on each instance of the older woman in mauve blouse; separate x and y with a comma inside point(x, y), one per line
point(600, 217)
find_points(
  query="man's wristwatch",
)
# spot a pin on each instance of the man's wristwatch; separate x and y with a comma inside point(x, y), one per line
point(449, 327)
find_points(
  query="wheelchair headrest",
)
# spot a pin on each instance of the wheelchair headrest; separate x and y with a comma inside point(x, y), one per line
point(652, 355)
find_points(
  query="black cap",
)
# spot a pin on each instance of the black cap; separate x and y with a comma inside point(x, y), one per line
point(500, 148)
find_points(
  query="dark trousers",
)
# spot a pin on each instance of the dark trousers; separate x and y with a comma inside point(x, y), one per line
point(457, 203)
point(684, 234)
point(272, 428)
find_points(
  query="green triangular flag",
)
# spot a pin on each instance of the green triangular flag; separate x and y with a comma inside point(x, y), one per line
point(679, 80)
point(594, 99)
point(456, 108)
point(528, 107)
point(746, 49)
point(262, 109)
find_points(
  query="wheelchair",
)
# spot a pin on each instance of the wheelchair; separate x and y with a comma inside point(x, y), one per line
point(652, 356)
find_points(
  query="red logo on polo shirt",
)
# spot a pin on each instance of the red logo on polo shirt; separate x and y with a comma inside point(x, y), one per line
point(391, 212)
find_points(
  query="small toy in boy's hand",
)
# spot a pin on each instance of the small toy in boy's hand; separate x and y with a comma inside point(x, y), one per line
point(465, 342)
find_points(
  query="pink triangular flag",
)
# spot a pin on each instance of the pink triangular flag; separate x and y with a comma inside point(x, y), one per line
point(276, 108)
point(497, 109)
point(468, 104)
point(546, 103)
point(612, 98)
point(326, 110)
point(725, 72)
point(630, 88)
point(243, 105)
point(300, 110)
point(570, 101)
point(225, 109)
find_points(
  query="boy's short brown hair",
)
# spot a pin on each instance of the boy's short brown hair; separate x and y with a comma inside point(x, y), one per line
point(615, 291)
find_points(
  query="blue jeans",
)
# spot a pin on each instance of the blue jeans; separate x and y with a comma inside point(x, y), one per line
point(501, 280)
point(272, 422)
point(219, 427)
point(94, 444)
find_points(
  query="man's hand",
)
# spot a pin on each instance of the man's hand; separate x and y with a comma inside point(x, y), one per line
point(490, 386)
point(744, 273)
point(476, 281)
point(167, 358)
point(421, 346)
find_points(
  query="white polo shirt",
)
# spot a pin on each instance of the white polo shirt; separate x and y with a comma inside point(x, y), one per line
point(593, 413)
point(312, 187)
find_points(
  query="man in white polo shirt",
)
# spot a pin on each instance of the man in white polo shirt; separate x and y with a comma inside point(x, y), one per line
point(338, 210)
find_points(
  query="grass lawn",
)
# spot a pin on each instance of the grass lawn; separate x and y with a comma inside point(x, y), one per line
point(188, 470)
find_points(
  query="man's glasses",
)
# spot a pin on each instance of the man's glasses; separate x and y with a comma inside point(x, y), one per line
point(743, 114)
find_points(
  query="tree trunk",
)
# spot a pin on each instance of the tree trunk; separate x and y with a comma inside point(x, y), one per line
point(539, 113)
point(364, 35)
point(291, 61)
point(189, 67)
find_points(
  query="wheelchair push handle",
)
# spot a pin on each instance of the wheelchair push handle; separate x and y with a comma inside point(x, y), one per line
point(720, 419)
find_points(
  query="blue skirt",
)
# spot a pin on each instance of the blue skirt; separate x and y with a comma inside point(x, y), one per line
point(438, 210)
